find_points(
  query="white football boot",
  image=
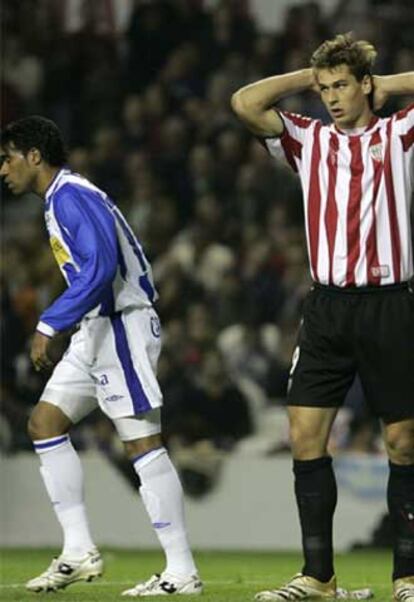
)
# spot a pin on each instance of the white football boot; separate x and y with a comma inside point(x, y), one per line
point(404, 589)
point(64, 570)
point(303, 587)
point(166, 584)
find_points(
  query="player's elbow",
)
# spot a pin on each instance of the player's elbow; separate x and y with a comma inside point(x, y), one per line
point(248, 109)
point(240, 105)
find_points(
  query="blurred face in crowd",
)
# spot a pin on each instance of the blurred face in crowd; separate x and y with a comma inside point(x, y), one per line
point(18, 170)
point(345, 98)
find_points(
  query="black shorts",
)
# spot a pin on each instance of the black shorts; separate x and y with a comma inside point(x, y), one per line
point(369, 331)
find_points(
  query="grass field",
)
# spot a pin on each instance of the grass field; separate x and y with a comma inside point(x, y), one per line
point(228, 577)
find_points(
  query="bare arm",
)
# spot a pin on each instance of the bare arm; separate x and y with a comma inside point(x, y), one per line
point(253, 103)
point(392, 85)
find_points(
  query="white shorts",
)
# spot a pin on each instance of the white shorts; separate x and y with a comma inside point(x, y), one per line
point(111, 363)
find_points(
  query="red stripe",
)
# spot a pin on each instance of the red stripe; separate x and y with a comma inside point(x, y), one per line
point(392, 209)
point(314, 202)
point(298, 120)
point(292, 148)
point(404, 112)
point(373, 276)
point(408, 139)
point(331, 213)
point(354, 208)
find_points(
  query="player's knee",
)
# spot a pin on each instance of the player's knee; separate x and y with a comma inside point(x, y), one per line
point(141, 446)
point(47, 421)
point(400, 443)
point(306, 444)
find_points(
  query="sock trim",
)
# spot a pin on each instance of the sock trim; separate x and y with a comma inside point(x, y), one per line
point(45, 444)
point(150, 451)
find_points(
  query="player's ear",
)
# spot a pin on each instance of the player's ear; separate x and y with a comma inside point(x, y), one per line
point(34, 157)
point(366, 83)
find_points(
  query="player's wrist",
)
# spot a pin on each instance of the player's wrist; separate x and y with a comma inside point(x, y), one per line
point(45, 329)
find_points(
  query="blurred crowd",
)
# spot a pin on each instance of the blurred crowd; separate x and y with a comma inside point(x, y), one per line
point(141, 92)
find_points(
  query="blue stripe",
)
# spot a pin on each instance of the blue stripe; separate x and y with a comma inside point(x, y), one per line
point(140, 456)
point(51, 443)
point(136, 248)
point(139, 399)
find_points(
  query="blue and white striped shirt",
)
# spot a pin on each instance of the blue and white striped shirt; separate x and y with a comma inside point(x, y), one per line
point(98, 254)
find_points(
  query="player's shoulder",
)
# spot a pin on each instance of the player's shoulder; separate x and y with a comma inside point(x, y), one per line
point(301, 121)
point(404, 112)
point(74, 186)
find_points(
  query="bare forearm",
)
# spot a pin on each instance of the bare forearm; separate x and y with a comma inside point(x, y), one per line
point(401, 83)
point(253, 103)
point(266, 92)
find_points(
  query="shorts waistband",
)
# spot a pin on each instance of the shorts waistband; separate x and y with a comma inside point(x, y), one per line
point(364, 290)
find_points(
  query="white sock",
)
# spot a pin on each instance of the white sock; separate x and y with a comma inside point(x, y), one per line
point(162, 496)
point(62, 474)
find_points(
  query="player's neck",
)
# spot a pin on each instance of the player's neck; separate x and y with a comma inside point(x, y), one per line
point(44, 179)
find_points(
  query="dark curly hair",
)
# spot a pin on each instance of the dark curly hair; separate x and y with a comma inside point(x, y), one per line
point(36, 132)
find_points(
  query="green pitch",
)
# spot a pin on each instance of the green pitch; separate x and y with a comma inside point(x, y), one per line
point(228, 576)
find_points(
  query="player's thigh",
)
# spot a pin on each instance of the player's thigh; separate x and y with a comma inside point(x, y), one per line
point(323, 366)
point(71, 387)
point(127, 347)
point(140, 434)
point(386, 355)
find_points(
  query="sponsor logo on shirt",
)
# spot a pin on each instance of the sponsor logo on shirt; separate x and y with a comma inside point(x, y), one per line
point(382, 271)
point(59, 251)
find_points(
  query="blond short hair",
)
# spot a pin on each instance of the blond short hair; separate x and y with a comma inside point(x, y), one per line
point(343, 49)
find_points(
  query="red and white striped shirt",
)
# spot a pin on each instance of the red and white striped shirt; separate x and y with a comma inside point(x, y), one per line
point(357, 193)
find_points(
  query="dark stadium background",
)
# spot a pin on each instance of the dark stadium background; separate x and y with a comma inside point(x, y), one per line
point(143, 102)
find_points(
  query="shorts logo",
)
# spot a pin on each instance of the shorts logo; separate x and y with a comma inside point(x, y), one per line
point(156, 326)
point(380, 271)
point(114, 398)
point(103, 379)
point(295, 359)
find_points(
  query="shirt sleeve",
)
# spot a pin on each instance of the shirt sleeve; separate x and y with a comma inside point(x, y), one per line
point(403, 125)
point(288, 146)
point(90, 233)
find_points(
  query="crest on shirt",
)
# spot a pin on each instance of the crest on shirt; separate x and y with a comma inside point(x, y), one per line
point(376, 151)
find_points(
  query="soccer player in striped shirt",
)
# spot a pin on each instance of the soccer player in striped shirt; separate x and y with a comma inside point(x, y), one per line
point(357, 177)
point(110, 363)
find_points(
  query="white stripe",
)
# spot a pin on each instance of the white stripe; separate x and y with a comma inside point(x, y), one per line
point(323, 249)
point(342, 198)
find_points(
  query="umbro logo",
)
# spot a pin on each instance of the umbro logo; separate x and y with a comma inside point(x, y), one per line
point(160, 525)
point(114, 398)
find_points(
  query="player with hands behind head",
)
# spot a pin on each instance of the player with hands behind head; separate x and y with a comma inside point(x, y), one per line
point(357, 178)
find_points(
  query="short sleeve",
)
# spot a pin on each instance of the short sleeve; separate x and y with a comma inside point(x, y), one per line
point(288, 146)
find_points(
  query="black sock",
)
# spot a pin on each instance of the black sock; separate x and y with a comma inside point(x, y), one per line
point(401, 507)
point(316, 495)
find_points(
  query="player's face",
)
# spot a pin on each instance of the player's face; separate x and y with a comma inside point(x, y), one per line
point(18, 170)
point(344, 96)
